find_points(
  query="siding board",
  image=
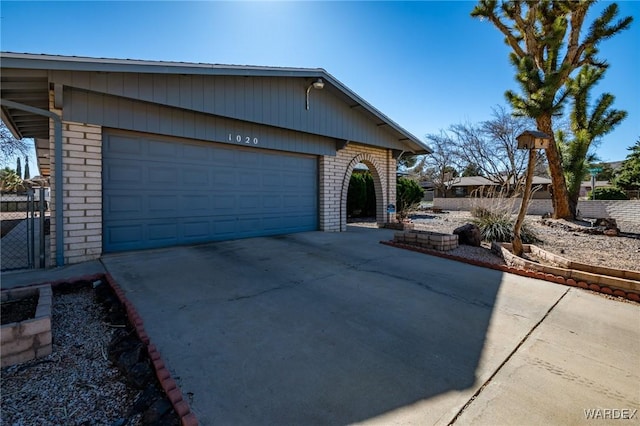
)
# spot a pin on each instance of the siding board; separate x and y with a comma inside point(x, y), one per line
point(273, 101)
point(126, 114)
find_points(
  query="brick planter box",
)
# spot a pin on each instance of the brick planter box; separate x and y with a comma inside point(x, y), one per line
point(29, 339)
point(427, 239)
point(616, 279)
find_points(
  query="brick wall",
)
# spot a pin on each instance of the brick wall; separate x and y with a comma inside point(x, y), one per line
point(335, 173)
point(82, 191)
point(621, 210)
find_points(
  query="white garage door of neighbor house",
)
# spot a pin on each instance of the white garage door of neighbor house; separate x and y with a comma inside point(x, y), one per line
point(160, 192)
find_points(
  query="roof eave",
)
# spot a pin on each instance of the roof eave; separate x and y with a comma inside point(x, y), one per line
point(76, 63)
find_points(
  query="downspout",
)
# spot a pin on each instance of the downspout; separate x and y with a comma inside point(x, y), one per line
point(57, 132)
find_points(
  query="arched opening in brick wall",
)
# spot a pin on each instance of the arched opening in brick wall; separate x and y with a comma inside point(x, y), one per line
point(379, 182)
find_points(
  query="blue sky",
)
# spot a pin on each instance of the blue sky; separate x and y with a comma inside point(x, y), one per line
point(426, 65)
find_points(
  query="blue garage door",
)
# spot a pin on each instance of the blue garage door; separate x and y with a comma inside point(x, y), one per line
point(161, 192)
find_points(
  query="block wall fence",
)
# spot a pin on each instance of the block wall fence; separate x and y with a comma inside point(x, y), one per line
point(621, 210)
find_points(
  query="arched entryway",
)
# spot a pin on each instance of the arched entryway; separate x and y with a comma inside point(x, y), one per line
point(379, 183)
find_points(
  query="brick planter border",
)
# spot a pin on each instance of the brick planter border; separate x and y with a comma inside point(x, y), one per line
point(630, 295)
point(168, 384)
point(427, 239)
point(605, 277)
point(29, 339)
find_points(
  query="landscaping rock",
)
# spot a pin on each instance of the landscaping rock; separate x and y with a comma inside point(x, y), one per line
point(157, 410)
point(468, 234)
point(607, 222)
point(611, 232)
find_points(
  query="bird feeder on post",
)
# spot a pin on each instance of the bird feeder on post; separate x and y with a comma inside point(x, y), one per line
point(530, 140)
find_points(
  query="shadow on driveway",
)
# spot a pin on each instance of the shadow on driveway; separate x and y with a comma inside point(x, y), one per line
point(323, 328)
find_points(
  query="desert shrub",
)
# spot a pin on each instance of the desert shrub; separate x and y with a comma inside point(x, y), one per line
point(480, 212)
point(608, 193)
point(499, 227)
point(408, 194)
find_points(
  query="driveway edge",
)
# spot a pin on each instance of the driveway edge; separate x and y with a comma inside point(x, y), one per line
point(168, 384)
point(557, 279)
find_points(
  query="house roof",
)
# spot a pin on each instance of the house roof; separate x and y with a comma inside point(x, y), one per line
point(31, 86)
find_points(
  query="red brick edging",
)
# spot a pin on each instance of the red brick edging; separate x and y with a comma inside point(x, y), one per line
point(168, 384)
point(523, 272)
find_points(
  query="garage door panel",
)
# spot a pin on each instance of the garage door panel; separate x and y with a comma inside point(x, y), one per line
point(195, 154)
point(124, 146)
point(195, 230)
point(123, 235)
point(165, 232)
point(163, 150)
point(124, 173)
point(195, 176)
point(165, 192)
point(196, 203)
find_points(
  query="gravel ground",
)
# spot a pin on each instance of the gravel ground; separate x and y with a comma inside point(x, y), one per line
point(601, 250)
point(75, 385)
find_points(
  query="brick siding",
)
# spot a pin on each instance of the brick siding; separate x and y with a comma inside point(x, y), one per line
point(335, 173)
point(82, 190)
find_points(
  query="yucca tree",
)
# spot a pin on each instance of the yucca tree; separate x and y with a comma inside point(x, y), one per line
point(587, 127)
point(628, 177)
point(547, 48)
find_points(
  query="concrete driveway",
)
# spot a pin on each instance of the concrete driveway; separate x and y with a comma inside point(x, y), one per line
point(335, 328)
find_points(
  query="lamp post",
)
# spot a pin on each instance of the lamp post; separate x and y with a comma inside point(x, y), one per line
point(531, 140)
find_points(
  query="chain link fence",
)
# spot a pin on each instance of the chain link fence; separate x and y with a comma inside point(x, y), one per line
point(24, 231)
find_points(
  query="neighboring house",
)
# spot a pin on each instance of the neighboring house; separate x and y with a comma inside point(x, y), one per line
point(585, 187)
point(476, 186)
point(158, 154)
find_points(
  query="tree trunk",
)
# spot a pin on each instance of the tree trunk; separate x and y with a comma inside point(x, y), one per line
point(516, 243)
point(560, 198)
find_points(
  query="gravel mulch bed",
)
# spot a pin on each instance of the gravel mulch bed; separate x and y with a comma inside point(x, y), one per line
point(614, 252)
point(79, 384)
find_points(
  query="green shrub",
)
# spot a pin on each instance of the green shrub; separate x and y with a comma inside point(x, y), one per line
point(408, 194)
point(356, 195)
point(608, 193)
point(370, 203)
point(499, 227)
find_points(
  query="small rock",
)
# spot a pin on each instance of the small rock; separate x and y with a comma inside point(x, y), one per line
point(607, 222)
point(145, 400)
point(156, 411)
point(139, 375)
point(469, 234)
point(612, 232)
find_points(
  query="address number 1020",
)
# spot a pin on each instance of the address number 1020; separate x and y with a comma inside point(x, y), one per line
point(243, 139)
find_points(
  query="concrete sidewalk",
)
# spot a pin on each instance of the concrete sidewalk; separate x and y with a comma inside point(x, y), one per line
point(335, 328)
point(10, 279)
